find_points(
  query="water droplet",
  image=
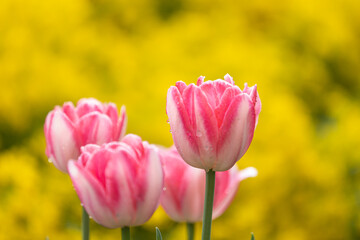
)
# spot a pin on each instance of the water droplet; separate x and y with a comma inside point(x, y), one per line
point(164, 188)
point(170, 130)
point(90, 217)
point(50, 160)
point(168, 121)
point(198, 133)
point(81, 204)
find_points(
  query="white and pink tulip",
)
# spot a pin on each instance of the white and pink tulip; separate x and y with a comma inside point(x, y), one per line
point(184, 188)
point(213, 122)
point(68, 128)
point(118, 183)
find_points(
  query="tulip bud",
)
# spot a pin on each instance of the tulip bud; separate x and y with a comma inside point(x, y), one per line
point(118, 183)
point(184, 188)
point(69, 128)
point(213, 122)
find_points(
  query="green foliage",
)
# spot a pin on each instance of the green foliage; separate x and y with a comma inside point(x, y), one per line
point(304, 56)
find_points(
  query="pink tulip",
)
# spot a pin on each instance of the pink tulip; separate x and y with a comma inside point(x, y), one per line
point(69, 128)
point(184, 188)
point(118, 183)
point(213, 122)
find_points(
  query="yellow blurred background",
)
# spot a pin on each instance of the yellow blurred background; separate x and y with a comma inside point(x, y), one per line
point(304, 56)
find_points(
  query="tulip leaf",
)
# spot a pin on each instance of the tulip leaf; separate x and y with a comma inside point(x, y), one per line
point(158, 234)
point(252, 236)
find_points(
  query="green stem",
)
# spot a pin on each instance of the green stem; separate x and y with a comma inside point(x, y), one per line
point(125, 233)
point(190, 230)
point(252, 236)
point(85, 224)
point(208, 204)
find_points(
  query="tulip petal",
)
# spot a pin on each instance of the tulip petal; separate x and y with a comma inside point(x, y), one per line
point(206, 129)
point(69, 109)
point(181, 128)
point(152, 184)
point(60, 139)
point(226, 186)
point(215, 90)
point(121, 124)
point(247, 173)
point(236, 132)
point(193, 200)
point(254, 96)
point(47, 126)
point(112, 113)
point(210, 91)
point(97, 162)
point(91, 194)
point(229, 79)
point(225, 101)
point(200, 80)
point(174, 183)
point(181, 86)
point(187, 99)
point(183, 196)
point(137, 147)
point(119, 183)
point(257, 101)
point(86, 152)
point(95, 128)
point(86, 105)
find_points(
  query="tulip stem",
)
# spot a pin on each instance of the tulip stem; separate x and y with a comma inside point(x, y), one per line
point(190, 230)
point(85, 224)
point(125, 233)
point(208, 204)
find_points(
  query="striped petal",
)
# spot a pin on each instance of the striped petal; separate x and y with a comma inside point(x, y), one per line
point(254, 96)
point(61, 139)
point(236, 132)
point(181, 128)
point(229, 79)
point(193, 200)
point(69, 109)
point(206, 129)
point(91, 195)
point(175, 184)
point(121, 124)
point(226, 186)
point(153, 184)
point(87, 105)
point(112, 112)
point(181, 86)
point(224, 104)
point(95, 128)
point(119, 190)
